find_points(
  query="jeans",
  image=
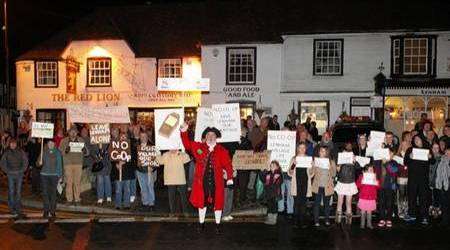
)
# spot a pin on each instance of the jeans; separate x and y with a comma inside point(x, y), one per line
point(14, 192)
point(181, 189)
point(49, 184)
point(386, 203)
point(326, 204)
point(146, 182)
point(133, 187)
point(228, 206)
point(402, 201)
point(122, 193)
point(286, 193)
point(103, 187)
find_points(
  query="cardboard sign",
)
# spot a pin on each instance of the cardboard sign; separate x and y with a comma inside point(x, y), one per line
point(90, 114)
point(99, 133)
point(399, 160)
point(282, 146)
point(363, 161)
point(76, 147)
point(147, 156)
point(420, 154)
point(381, 154)
point(345, 158)
point(120, 150)
point(167, 128)
point(204, 119)
point(227, 120)
point(303, 161)
point(323, 163)
point(42, 130)
point(369, 179)
point(249, 160)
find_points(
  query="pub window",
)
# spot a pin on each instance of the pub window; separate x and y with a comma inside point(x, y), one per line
point(241, 66)
point(46, 74)
point(169, 68)
point(328, 56)
point(99, 72)
point(413, 56)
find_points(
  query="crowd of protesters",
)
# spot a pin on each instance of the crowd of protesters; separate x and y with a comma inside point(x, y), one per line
point(416, 190)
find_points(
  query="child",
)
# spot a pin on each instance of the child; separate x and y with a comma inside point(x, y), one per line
point(322, 184)
point(272, 180)
point(389, 170)
point(346, 187)
point(368, 186)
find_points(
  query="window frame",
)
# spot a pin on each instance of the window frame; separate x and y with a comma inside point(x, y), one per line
point(341, 40)
point(431, 56)
point(88, 84)
point(227, 76)
point(158, 75)
point(36, 74)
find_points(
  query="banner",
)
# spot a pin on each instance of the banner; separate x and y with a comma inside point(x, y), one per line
point(99, 133)
point(147, 156)
point(227, 120)
point(249, 160)
point(204, 119)
point(167, 128)
point(42, 130)
point(120, 150)
point(282, 145)
point(89, 114)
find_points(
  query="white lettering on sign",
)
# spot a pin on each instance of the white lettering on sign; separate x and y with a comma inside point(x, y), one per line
point(120, 151)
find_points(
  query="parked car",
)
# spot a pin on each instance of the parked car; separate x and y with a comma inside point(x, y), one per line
point(349, 131)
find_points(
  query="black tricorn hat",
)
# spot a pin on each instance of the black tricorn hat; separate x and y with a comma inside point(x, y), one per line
point(211, 129)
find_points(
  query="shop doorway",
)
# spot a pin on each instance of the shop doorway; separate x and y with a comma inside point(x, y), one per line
point(319, 111)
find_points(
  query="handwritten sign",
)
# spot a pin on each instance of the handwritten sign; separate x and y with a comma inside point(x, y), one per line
point(204, 119)
point(42, 130)
point(227, 120)
point(147, 156)
point(420, 154)
point(303, 161)
point(99, 133)
point(91, 114)
point(345, 158)
point(376, 140)
point(282, 145)
point(363, 161)
point(249, 160)
point(369, 179)
point(381, 154)
point(120, 150)
point(76, 147)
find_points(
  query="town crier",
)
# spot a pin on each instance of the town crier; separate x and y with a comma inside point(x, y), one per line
point(212, 161)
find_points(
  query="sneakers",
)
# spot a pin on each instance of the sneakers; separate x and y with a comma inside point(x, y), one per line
point(424, 222)
point(99, 201)
point(388, 224)
point(317, 224)
point(409, 218)
point(327, 223)
point(132, 198)
point(108, 199)
point(381, 223)
point(227, 218)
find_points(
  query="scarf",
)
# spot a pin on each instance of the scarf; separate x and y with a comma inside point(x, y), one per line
point(443, 174)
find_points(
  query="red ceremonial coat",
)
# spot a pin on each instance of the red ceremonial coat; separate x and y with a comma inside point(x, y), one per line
point(220, 160)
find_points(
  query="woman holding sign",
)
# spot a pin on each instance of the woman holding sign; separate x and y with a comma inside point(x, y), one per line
point(208, 185)
point(418, 159)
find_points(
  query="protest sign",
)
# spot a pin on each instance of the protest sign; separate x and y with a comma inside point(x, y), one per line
point(120, 150)
point(282, 146)
point(204, 119)
point(76, 147)
point(323, 163)
point(381, 154)
point(303, 161)
point(376, 140)
point(227, 120)
point(42, 130)
point(420, 154)
point(99, 133)
point(147, 156)
point(369, 179)
point(345, 158)
point(249, 160)
point(167, 128)
point(90, 114)
point(363, 161)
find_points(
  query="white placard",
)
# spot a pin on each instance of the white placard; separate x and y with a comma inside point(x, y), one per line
point(282, 146)
point(377, 136)
point(99, 133)
point(303, 161)
point(369, 179)
point(399, 160)
point(345, 158)
point(42, 130)
point(227, 120)
point(204, 119)
point(323, 163)
point(381, 154)
point(76, 147)
point(363, 161)
point(420, 154)
point(167, 137)
point(91, 114)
